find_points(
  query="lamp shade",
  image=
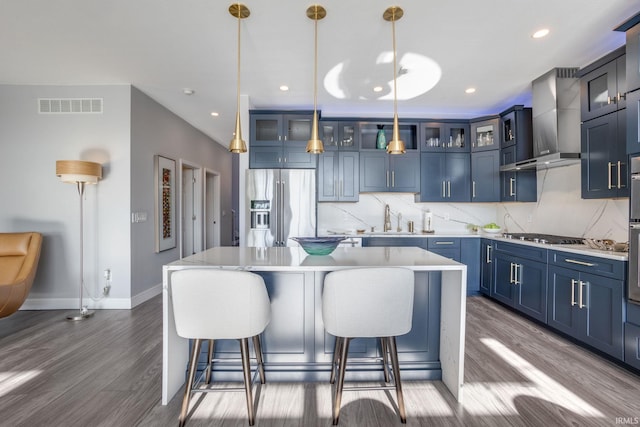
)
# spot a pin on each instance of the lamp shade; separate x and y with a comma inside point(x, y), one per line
point(73, 171)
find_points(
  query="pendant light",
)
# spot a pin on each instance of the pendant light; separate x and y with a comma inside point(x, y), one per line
point(396, 145)
point(237, 144)
point(314, 145)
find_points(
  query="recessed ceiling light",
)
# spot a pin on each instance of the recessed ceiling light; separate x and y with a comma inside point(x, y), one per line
point(540, 33)
point(470, 90)
point(284, 88)
point(188, 91)
point(215, 114)
point(377, 89)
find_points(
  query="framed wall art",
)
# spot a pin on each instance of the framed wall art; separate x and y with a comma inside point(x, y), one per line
point(165, 194)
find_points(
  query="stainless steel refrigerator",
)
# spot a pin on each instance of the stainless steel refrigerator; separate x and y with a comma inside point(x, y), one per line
point(281, 203)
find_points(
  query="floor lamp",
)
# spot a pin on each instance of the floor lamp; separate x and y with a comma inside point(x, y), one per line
point(80, 173)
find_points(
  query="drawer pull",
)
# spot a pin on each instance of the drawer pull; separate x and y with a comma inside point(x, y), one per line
point(574, 261)
point(573, 292)
point(444, 243)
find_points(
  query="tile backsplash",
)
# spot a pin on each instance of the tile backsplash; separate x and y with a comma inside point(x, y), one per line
point(559, 210)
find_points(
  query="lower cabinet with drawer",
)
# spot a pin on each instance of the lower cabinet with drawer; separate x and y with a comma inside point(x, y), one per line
point(520, 278)
point(586, 300)
point(632, 336)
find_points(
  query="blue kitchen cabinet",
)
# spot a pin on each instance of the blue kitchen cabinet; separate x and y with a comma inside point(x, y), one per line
point(632, 29)
point(338, 176)
point(279, 140)
point(382, 172)
point(485, 134)
point(445, 177)
point(486, 266)
point(603, 85)
point(485, 176)
point(604, 162)
point(516, 130)
point(633, 122)
point(632, 336)
point(586, 300)
point(520, 278)
point(338, 135)
point(439, 137)
point(470, 256)
point(518, 186)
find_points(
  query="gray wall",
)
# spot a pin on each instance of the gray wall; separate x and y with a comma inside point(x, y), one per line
point(156, 130)
point(124, 139)
point(33, 198)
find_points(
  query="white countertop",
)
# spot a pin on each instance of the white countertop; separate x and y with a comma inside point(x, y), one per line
point(296, 259)
point(575, 249)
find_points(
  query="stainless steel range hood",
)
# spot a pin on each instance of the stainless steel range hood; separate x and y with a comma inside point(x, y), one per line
point(556, 121)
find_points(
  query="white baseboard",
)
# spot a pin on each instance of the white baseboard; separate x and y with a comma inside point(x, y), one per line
point(101, 304)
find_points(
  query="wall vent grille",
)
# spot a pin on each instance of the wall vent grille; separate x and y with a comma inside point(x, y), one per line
point(567, 72)
point(70, 105)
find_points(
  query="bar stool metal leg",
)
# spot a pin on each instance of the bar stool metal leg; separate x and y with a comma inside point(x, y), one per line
point(385, 360)
point(246, 370)
point(193, 363)
point(210, 362)
point(258, 349)
point(396, 376)
point(344, 349)
point(336, 359)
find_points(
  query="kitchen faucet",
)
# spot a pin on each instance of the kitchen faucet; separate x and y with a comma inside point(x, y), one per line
point(387, 219)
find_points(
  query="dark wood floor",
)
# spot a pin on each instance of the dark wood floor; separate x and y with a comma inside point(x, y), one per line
point(106, 371)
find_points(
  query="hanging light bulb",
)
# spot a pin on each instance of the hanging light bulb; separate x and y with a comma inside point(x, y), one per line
point(237, 144)
point(396, 145)
point(315, 12)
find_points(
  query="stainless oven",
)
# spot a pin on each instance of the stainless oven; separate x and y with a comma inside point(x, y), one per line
point(634, 232)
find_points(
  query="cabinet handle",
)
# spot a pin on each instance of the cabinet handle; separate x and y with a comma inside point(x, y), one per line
point(444, 194)
point(609, 166)
point(489, 248)
point(285, 160)
point(575, 261)
point(581, 304)
point(387, 179)
point(611, 100)
point(449, 189)
point(511, 190)
point(393, 178)
point(619, 175)
point(511, 272)
point(443, 242)
point(573, 292)
point(279, 159)
point(335, 188)
point(473, 189)
point(621, 96)
point(341, 188)
point(518, 272)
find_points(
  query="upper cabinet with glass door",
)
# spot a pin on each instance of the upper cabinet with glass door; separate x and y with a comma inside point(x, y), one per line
point(485, 134)
point(444, 136)
point(375, 135)
point(603, 86)
point(274, 128)
point(338, 135)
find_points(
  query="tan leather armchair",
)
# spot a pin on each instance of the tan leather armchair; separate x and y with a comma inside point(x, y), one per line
point(19, 255)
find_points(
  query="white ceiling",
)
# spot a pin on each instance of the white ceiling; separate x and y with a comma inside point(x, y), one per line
point(164, 46)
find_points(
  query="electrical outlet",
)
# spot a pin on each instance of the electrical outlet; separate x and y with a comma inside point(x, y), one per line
point(107, 274)
point(107, 282)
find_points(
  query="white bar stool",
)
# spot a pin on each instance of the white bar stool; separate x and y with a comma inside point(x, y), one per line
point(210, 304)
point(367, 302)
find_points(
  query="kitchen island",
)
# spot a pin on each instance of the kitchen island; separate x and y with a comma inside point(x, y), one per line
point(295, 345)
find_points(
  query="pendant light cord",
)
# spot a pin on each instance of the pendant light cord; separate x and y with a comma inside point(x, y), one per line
point(395, 91)
point(315, 62)
point(238, 71)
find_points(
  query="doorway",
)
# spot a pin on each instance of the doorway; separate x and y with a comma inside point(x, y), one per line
point(212, 216)
point(191, 210)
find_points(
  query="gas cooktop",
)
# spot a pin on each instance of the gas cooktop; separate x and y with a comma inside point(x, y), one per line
point(545, 238)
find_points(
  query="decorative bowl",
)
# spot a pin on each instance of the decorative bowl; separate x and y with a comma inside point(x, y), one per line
point(492, 230)
point(319, 245)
